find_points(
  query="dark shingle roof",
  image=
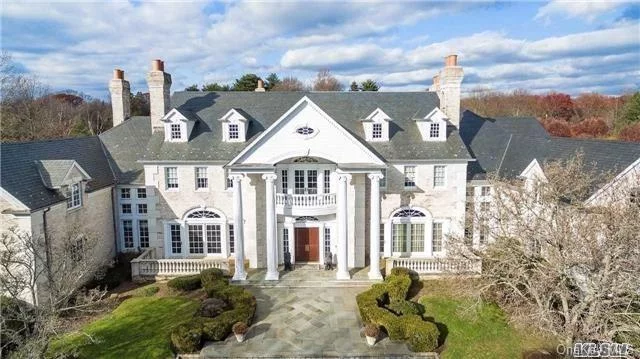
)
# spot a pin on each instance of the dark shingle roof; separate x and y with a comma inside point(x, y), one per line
point(265, 108)
point(508, 145)
point(124, 145)
point(19, 173)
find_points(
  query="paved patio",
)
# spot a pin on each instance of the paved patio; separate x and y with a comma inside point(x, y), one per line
point(305, 321)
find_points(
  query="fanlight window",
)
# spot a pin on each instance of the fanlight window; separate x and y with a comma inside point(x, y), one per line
point(409, 213)
point(305, 160)
point(203, 214)
point(306, 130)
point(306, 218)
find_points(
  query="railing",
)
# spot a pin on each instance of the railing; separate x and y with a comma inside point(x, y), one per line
point(146, 266)
point(306, 200)
point(436, 265)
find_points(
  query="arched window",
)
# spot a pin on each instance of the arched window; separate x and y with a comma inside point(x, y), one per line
point(306, 219)
point(305, 159)
point(409, 231)
point(206, 231)
point(203, 214)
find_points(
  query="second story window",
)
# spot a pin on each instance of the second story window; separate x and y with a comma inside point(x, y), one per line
point(75, 196)
point(171, 177)
point(377, 130)
point(439, 176)
point(176, 134)
point(409, 176)
point(125, 193)
point(485, 190)
point(202, 181)
point(285, 181)
point(234, 132)
point(142, 193)
point(434, 130)
point(327, 181)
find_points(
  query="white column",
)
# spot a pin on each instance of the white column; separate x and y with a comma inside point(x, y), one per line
point(272, 244)
point(343, 270)
point(374, 227)
point(238, 226)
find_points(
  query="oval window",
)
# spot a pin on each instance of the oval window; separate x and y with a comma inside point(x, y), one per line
point(305, 130)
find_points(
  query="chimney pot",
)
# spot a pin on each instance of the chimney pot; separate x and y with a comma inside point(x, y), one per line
point(260, 87)
point(451, 60)
point(157, 65)
point(118, 74)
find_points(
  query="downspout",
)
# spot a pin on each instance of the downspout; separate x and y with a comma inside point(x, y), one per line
point(47, 246)
point(114, 193)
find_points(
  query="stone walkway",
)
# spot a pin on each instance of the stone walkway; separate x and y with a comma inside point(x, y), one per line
point(304, 322)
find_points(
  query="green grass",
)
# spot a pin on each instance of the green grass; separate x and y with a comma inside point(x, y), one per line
point(138, 328)
point(478, 332)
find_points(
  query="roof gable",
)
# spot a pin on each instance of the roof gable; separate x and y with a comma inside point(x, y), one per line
point(58, 173)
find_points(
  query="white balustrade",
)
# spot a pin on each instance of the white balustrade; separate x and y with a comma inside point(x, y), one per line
point(306, 200)
point(437, 265)
point(145, 267)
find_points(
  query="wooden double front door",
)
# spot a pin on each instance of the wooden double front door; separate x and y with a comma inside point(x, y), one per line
point(307, 244)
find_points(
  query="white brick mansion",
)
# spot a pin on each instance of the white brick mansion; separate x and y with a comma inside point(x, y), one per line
point(261, 176)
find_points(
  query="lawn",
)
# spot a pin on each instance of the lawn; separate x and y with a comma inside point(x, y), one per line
point(476, 331)
point(138, 328)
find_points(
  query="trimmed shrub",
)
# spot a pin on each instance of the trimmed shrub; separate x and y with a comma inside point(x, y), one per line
point(186, 283)
point(406, 307)
point(210, 276)
point(187, 338)
point(421, 336)
point(216, 329)
point(398, 287)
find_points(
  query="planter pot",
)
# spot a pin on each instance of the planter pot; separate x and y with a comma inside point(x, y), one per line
point(371, 340)
point(240, 338)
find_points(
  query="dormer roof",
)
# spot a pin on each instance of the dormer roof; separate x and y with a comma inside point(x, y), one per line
point(234, 114)
point(376, 116)
point(58, 173)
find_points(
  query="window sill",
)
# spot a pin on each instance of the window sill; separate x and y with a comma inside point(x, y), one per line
point(172, 190)
point(202, 189)
point(74, 209)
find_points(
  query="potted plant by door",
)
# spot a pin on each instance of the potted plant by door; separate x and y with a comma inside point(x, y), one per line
point(240, 329)
point(371, 331)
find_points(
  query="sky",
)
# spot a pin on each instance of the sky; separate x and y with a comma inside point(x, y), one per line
point(564, 46)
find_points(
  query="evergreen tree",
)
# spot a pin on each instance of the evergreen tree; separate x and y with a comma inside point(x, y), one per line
point(369, 85)
point(193, 87)
point(214, 86)
point(272, 81)
point(248, 82)
point(354, 87)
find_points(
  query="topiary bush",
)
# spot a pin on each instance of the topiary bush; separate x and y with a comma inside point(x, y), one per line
point(187, 337)
point(210, 276)
point(186, 283)
point(385, 305)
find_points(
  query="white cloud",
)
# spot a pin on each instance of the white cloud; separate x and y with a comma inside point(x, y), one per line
point(586, 9)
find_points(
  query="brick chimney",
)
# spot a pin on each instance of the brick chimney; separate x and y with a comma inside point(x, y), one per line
point(449, 83)
point(260, 87)
point(120, 97)
point(159, 90)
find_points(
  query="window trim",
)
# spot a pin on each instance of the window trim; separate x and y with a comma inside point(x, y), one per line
point(233, 131)
point(406, 177)
point(435, 177)
point(75, 190)
point(376, 131)
point(434, 128)
point(173, 132)
point(167, 185)
point(198, 177)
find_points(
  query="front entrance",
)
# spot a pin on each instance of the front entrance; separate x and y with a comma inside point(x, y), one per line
point(307, 248)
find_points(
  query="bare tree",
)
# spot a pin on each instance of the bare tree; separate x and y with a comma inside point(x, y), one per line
point(571, 268)
point(42, 279)
point(325, 81)
point(289, 83)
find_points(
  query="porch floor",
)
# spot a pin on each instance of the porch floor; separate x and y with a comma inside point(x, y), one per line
point(307, 276)
point(305, 322)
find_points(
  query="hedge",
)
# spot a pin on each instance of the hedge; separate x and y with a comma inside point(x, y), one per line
point(186, 283)
point(243, 306)
point(385, 304)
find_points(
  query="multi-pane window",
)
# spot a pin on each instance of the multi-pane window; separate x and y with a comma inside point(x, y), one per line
point(234, 134)
point(142, 208)
point(285, 181)
point(142, 193)
point(437, 237)
point(312, 182)
point(381, 238)
point(484, 232)
point(143, 233)
point(75, 196)
point(484, 210)
point(127, 233)
point(399, 237)
point(214, 238)
point(327, 240)
point(285, 240)
point(417, 237)
point(228, 182)
point(176, 239)
point(409, 176)
point(126, 208)
point(299, 181)
point(176, 133)
point(377, 130)
point(438, 176)
point(434, 130)
point(125, 193)
point(408, 231)
point(383, 180)
point(171, 177)
point(327, 181)
point(232, 239)
point(485, 190)
point(202, 181)
point(196, 245)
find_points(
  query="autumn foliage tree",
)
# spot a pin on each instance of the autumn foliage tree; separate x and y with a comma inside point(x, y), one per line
point(325, 81)
point(591, 127)
point(557, 127)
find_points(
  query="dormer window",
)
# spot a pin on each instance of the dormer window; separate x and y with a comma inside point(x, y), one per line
point(234, 126)
point(434, 130)
point(176, 133)
point(376, 126)
point(74, 199)
point(178, 125)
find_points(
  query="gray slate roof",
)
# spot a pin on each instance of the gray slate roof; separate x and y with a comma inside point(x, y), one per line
point(124, 145)
point(19, 173)
point(263, 109)
point(53, 172)
point(508, 145)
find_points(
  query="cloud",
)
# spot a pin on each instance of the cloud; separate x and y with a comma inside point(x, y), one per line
point(585, 9)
